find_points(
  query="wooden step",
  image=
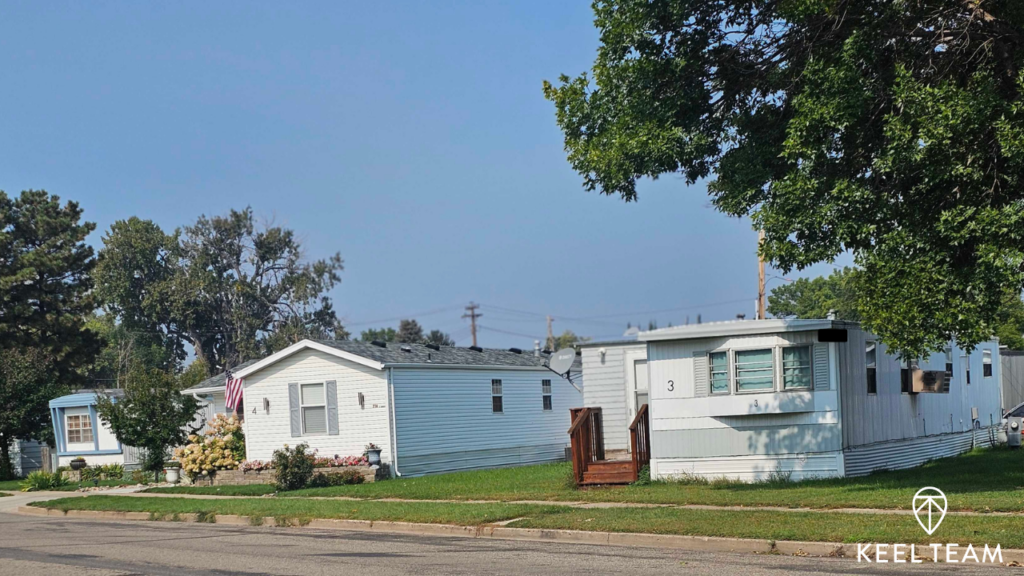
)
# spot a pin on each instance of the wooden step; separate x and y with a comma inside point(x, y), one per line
point(595, 478)
point(606, 466)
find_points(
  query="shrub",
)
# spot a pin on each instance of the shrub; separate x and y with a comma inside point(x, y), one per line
point(323, 480)
point(40, 480)
point(341, 461)
point(222, 447)
point(294, 467)
point(112, 471)
point(255, 466)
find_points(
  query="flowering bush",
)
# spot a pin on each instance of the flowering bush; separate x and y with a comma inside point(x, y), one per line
point(255, 466)
point(341, 461)
point(294, 467)
point(221, 447)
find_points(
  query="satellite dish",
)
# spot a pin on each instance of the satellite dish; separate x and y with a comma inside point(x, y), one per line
point(562, 360)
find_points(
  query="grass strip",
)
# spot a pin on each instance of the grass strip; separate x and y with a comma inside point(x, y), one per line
point(982, 480)
point(805, 526)
point(424, 512)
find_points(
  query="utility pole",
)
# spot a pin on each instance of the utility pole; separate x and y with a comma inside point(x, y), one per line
point(760, 277)
point(472, 315)
point(551, 334)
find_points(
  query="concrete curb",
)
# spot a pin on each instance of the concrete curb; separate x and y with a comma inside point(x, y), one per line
point(663, 541)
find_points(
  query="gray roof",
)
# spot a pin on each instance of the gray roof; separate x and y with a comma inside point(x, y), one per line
point(218, 380)
point(395, 353)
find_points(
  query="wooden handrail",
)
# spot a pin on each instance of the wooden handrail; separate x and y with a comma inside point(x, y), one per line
point(640, 440)
point(587, 440)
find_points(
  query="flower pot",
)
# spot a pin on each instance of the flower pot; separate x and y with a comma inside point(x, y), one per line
point(373, 456)
point(173, 475)
point(77, 464)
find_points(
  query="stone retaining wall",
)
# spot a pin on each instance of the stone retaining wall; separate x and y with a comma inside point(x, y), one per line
point(240, 478)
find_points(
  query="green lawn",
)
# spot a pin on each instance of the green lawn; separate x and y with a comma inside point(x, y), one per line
point(12, 485)
point(809, 526)
point(983, 480)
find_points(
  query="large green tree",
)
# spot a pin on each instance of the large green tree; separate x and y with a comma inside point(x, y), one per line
point(225, 286)
point(817, 297)
point(890, 129)
point(26, 387)
point(151, 414)
point(45, 296)
point(409, 332)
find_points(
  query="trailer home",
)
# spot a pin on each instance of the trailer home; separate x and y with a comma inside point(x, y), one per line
point(809, 398)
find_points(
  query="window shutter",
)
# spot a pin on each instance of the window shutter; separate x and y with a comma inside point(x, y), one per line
point(821, 367)
point(332, 407)
point(293, 407)
point(701, 386)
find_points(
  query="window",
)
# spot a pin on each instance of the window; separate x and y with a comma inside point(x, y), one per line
point(314, 409)
point(949, 367)
point(79, 428)
point(496, 406)
point(755, 370)
point(966, 359)
point(907, 376)
point(870, 354)
point(986, 363)
point(796, 367)
point(718, 363)
point(545, 390)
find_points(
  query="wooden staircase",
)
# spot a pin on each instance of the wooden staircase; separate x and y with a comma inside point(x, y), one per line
point(588, 458)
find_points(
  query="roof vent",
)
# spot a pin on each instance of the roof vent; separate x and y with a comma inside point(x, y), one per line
point(476, 348)
point(515, 350)
point(406, 348)
point(433, 347)
point(379, 344)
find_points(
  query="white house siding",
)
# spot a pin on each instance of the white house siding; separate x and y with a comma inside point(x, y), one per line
point(1012, 365)
point(26, 456)
point(107, 441)
point(266, 432)
point(444, 421)
point(892, 429)
point(741, 436)
point(607, 382)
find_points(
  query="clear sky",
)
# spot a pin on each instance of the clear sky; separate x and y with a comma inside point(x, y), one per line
point(412, 137)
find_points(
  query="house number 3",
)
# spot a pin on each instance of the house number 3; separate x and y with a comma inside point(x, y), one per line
point(671, 386)
point(755, 403)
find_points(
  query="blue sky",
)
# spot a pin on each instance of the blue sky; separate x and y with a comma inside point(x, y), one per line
point(412, 137)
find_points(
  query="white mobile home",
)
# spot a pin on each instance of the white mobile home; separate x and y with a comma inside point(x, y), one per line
point(80, 432)
point(616, 373)
point(429, 408)
point(809, 398)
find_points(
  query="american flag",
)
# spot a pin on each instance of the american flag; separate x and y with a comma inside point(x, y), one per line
point(232, 392)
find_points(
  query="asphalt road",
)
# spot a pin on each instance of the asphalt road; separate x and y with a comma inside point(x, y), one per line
point(32, 546)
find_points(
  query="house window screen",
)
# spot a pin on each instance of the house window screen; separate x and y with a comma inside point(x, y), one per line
point(718, 364)
point(545, 390)
point(79, 428)
point(986, 363)
point(870, 359)
point(496, 402)
point(755, 370)
point(949, 366)
point(796, 367)
point(314, 409)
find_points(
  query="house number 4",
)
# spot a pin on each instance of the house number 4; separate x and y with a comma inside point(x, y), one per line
point(671, 386)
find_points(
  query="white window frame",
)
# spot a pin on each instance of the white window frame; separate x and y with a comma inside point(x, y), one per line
point(782, 368)
point(496, 385)
point(871, 365)
point(736, 364)
point(303, 406)
point(546, 401)
point(84, 423)
point(986, 360)
point(728, 373)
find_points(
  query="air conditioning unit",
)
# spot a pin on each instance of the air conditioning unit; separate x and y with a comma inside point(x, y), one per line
point(929, 381)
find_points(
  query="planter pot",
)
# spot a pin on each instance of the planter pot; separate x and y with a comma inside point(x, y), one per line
point(374, 457)
point(77, 464)
point(173, 475)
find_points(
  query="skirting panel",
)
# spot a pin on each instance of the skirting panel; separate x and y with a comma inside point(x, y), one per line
point(751, 468)
point(479, 459)
point(863, 460)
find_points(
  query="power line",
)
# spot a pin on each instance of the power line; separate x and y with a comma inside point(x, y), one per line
point(617, 315)
point(472, 315)
point(406, 316)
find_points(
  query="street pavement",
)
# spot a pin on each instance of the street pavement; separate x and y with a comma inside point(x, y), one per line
point(50, 546)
